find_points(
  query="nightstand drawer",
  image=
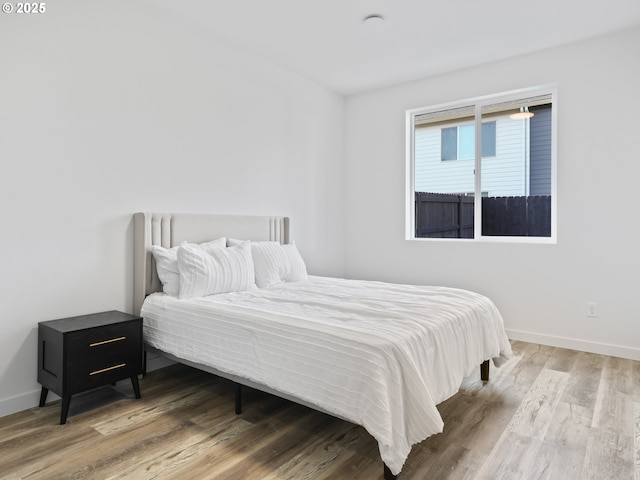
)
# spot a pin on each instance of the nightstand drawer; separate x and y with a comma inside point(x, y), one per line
point(100, 371)
point(103, 341)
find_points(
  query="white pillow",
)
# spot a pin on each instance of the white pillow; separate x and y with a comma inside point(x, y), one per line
point(268, 258)
point(275, 263)
point(220, 270)
point(294, 268)
point(167, 263)
point(234, 242)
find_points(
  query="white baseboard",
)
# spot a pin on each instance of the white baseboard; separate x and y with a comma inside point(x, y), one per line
point(575, 344)
point(155, 362)
point(22, 402)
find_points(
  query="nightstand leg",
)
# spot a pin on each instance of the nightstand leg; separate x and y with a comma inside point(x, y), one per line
point(136, 386)
point(66, 400)
point(43, 396)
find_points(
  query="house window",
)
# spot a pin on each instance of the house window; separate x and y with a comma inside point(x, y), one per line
point(449, 143)
point(507, 172)
point(458, 143)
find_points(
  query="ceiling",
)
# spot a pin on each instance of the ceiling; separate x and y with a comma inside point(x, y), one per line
point(328, 42)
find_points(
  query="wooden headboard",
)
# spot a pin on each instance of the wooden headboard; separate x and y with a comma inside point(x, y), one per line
point(171, 229)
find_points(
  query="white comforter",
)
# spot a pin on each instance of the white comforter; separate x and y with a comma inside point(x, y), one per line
point(380, 355)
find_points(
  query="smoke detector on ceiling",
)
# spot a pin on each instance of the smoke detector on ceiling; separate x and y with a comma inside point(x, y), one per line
point(374, 19)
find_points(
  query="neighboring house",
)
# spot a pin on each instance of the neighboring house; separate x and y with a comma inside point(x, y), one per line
point(516, 159)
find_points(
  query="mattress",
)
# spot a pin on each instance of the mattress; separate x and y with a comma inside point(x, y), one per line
point(378, 354)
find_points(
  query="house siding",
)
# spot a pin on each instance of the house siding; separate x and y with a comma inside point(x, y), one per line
point(503, 175)
point(541, 150)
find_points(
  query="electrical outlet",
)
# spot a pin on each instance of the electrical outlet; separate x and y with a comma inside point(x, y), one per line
point(592, 309)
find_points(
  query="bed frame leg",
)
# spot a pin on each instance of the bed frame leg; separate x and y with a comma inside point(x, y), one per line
point(144, 364)
point(484, 371)
point(387, 473)
point(238, 399)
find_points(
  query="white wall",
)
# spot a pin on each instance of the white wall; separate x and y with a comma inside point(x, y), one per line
point(108, 108)
point(542, 290)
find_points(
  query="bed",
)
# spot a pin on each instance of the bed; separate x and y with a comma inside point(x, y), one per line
point(376, 354)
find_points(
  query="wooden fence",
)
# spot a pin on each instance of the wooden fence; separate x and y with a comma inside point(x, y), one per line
point(440, 215)
point(517, 216)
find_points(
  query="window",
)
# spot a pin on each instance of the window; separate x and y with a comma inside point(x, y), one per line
point(449, 143)
point(488, 139)
point(507, 172)
point(458, 143)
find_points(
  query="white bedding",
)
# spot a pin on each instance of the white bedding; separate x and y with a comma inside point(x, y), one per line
point(380, 355)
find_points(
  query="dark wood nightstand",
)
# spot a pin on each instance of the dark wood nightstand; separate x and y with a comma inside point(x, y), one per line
point(80, 353)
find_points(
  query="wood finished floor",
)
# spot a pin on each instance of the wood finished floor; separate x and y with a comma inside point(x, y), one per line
point(548, 413)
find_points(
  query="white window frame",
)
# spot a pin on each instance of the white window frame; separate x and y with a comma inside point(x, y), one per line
point(479, 102)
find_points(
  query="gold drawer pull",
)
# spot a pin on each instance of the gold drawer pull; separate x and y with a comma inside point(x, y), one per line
point(108, 368)
point(107, 341)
